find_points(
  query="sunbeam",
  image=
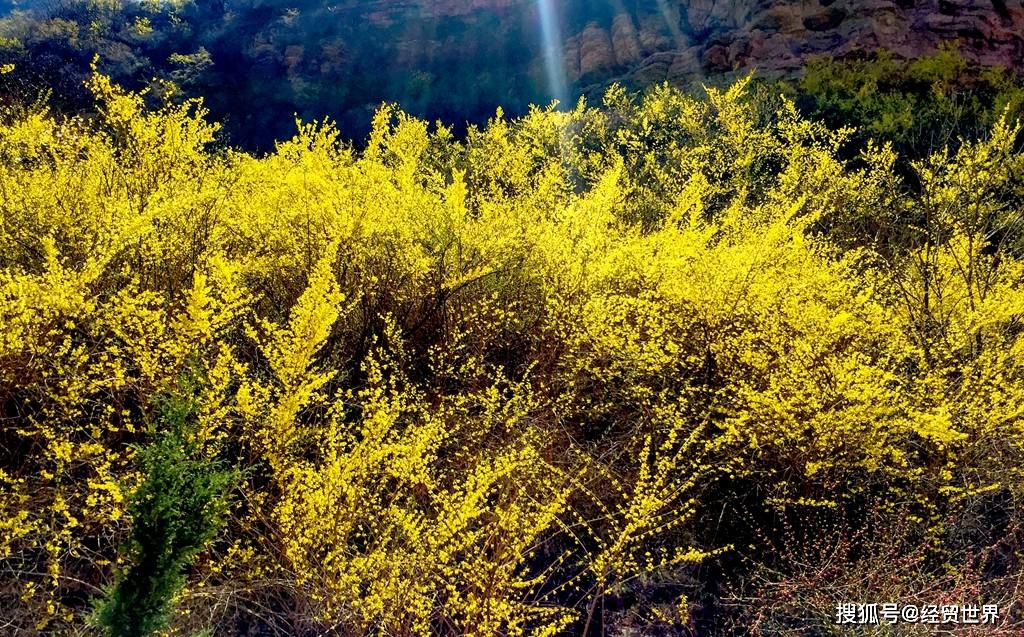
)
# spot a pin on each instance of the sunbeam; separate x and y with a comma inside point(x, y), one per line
point(554, 65)
point(671, 18)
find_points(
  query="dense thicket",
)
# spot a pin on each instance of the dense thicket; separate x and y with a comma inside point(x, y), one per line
point(920, 105)
point(669, 363)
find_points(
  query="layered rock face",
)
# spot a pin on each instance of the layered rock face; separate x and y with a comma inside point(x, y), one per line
point(684, 41)
point(641, 42)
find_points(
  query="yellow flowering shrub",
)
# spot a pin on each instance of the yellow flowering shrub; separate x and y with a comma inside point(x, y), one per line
point(481, 386)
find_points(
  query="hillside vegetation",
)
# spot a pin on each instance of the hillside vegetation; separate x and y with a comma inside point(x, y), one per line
point(257, 63)
point(681, 364)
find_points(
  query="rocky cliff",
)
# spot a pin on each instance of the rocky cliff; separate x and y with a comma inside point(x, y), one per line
point(641, 42)
point(654, 40)
point(683, 41)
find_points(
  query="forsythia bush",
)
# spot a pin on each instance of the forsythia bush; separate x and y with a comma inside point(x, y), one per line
point(493, 386)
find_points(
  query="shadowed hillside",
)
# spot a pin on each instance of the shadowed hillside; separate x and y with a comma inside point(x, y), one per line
point(257, 63)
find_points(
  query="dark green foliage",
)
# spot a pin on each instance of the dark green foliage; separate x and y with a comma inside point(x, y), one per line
point(921, 105)
point(176, 511)
point(308, 58)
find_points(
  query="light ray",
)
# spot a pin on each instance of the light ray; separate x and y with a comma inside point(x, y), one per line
point(554, 64)
point(671, 18)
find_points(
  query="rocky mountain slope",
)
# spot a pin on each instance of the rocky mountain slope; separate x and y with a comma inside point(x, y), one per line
point(497, 44)
point(458, 59)
point(715, 36)
point(655, 40)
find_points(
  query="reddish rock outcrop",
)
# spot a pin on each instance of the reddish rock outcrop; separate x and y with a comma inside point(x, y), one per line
point(677, 40)
point(708, 37)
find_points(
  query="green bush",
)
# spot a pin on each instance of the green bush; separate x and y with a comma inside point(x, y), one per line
point(919, 105)
point(176, 511)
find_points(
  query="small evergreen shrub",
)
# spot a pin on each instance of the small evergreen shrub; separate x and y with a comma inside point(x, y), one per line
point(176, 511)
